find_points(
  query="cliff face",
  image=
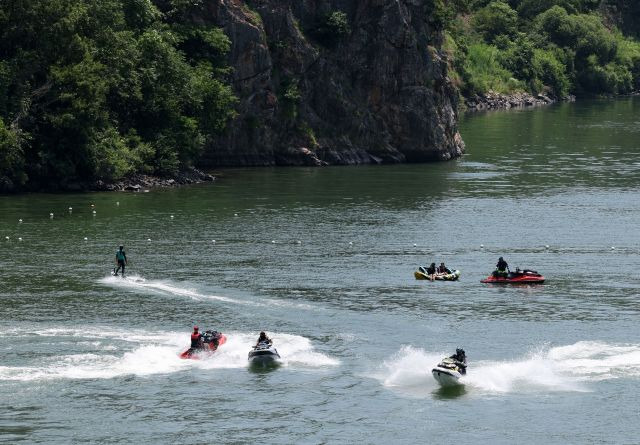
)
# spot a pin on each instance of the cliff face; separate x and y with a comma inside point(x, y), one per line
point(334, 82)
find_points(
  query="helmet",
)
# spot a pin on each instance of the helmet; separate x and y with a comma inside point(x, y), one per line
point(460, 351)
point(500, 259)
point(121, 246)
point(195, 329)
point(262, 334)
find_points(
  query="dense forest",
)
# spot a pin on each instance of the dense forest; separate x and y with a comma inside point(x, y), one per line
point(556, 47)
point(100, 89)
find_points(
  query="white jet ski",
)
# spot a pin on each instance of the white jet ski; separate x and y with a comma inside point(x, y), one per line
point(448, 372)
point(264, 354)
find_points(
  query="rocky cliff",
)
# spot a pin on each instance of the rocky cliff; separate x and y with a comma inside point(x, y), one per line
point(334, 82)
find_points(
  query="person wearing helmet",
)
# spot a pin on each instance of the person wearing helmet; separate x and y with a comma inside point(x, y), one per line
point(460, 359)
point(264, 339)
point(502, 268)
point(196, 338)
point(121, 261)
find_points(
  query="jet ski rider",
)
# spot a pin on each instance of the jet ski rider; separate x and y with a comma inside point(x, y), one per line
point(196, 338)
point(502, 268)
point(121, 260)
point(264, 339)
point(460, 359)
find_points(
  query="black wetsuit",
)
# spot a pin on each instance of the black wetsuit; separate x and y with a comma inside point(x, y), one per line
point(501, 268)
point(121, 258)
point(431, 270)
point(461, 361)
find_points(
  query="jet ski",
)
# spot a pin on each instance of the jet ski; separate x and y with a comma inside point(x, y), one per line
point(211, 340)
point(263, 354)
point(421, 274)
point(518, 277)
point(448, 372)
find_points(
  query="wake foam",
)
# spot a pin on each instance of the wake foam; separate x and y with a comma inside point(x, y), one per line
point(563, 368)
point(164, 287)
point(152, 353)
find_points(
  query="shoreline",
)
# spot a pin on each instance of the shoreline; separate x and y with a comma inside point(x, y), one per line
point(498, 101)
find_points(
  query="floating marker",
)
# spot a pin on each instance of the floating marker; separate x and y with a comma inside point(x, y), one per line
point(546, 246)
point(50, 215)
point(415, 245)
point(171, 216)
point(20, 239)
point(148, 239)
point(213, 241)
point(93, 205)
point(350, 243)
point(117, 203)
point(7, 238)
point(235, 214)
point(70, 209)
point(20, 220)
point(298, 242)
point(482, 246)
point(85, 238)
point(273, 241)
point(613, 248)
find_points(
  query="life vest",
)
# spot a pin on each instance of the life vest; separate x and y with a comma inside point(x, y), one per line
point(195, 340)
point(120, 255)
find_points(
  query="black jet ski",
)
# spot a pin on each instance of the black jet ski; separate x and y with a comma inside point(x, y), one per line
point(264, 354)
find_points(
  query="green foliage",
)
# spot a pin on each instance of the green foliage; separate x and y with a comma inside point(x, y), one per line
point(338, 23)
point(105, 88)
point(11, 158)
point(496, 19)
point(482, 71)
point(552, 46)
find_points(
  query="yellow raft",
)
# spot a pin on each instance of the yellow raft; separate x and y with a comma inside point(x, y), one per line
point(453, 276)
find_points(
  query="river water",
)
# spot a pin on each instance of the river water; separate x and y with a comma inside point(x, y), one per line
point(323, 260)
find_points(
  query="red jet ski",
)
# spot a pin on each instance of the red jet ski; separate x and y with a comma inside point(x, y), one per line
point(211, 340)
point(518, 277)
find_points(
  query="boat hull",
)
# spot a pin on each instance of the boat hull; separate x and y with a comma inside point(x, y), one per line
point(264, 357)
point(446, 377)
point(517, 278)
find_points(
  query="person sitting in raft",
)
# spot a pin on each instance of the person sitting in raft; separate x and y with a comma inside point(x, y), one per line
point(460, 358)
point(502, 268)
point(443, 269)
point(264, 339)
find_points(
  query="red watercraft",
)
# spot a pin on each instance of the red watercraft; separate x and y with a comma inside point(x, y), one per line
point(517, 277)
point(211, 340)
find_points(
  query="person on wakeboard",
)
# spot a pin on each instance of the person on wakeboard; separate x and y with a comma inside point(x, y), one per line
point(264, 339)
point(502, 269)
point(121, 261)
point(443, 269)
point(460, 359)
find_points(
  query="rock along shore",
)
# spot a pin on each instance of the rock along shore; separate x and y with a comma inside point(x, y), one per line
point(497, 101)
point(140, 182)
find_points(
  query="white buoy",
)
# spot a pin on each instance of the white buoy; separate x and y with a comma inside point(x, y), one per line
point(7, 238)
point(350, 243)
point(213, 241)
point(20, 239)
point(70, 209)
point(415, 245)
point(546, 246)
point(482, 246)
point(171, 216)
point(93, 205)
point(148, 239)
point(20, 220)
point(94, 213)
point(85, 238)
point(273, 241)
point(298, 242)
point(613, 248)
point(235, 214)
point(51, 215)
point(117, 203)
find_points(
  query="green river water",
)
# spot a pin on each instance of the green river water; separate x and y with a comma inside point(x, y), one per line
point(323, 260)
